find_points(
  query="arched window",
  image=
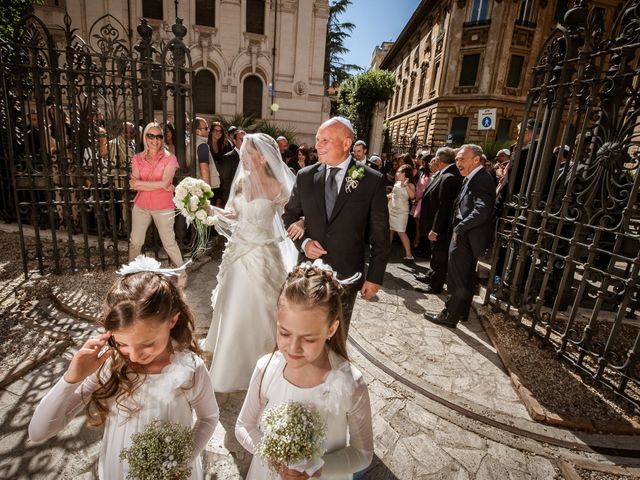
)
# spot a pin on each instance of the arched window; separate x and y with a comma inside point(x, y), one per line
point(252, 96)
point(255, 16)
point(204, 92)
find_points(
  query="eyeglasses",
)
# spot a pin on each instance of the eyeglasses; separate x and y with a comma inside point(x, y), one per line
point(151, 136)
point(219, 130)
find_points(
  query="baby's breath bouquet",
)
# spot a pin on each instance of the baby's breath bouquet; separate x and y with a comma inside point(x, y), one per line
point(293, 437)
point(191, 198)
point(162, 451)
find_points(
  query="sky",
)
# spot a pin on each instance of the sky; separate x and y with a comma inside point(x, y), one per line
point(376, 21)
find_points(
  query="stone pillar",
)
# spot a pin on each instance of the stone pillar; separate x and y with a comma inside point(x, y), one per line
point(377, 121)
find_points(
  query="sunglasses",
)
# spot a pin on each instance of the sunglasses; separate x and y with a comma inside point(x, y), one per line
point(151, 136)
point(217, 130)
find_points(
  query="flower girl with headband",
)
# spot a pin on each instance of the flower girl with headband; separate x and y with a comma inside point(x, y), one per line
point(144, 368)
point(311, 367)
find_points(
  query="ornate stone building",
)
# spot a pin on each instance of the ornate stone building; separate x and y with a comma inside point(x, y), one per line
point(239, 68)
point(454, 58)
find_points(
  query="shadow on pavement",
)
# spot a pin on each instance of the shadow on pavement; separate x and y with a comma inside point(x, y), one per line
point(22, 459)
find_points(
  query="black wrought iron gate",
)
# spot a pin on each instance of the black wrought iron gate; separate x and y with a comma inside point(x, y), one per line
point(568, 253)
point(72, 110)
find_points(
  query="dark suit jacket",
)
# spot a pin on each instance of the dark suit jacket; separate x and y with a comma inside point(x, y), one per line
point(343, 235)
point(227, 170)
point(476, 203)
point(437, 201)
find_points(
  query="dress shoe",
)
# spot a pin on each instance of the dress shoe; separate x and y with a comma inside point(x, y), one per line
point(423, 277)
point(442, 318)
point(428, 289)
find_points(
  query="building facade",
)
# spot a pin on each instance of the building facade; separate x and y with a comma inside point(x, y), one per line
point(239, 68)
point(456, 58)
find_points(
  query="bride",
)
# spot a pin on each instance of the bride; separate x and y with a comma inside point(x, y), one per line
point(254, 266)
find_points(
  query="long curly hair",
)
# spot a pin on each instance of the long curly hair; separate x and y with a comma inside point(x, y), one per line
point(138, 297)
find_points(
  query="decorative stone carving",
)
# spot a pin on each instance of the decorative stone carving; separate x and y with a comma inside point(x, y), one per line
point(475, 35)
point(300, 88)
point(522, 36)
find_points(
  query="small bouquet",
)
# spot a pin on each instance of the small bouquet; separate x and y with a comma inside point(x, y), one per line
point(162, 451)
point(192, 201)
point(293, 437)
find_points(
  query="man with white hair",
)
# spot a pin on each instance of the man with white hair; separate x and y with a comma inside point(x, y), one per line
point(344, 206)
point(283, 144)
point(472, 235)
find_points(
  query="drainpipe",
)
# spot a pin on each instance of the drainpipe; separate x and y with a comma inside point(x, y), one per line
point(272, 85)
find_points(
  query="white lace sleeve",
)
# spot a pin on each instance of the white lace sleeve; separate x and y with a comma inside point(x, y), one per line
point(204, 404)
point(247, 426)
point(359, 452)
point(59, 406)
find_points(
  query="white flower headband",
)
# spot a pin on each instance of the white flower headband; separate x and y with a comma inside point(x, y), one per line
point(327, 268)
point(143, 263)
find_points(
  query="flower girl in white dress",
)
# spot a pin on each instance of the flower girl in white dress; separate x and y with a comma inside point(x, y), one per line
point(144, 368)
point(311, 367)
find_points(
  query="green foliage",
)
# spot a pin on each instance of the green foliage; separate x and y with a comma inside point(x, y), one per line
point(335, 71)
point(359, 94)
point(275, 131)
point(12, 12)
point(252, 125)
point(491, 148)
point(239, 120)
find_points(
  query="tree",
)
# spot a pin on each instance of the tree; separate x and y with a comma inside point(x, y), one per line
point(12, 12)
point(335, 71)
point(359, 94)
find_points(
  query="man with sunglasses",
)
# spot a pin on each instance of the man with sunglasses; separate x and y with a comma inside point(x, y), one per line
point(207, 169)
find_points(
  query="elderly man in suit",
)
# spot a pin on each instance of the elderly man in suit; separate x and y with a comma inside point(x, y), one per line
point(435, 217)
point(472, 234)
point(341, 201)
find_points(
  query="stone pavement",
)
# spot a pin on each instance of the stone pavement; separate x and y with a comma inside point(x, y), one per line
point(443, 407)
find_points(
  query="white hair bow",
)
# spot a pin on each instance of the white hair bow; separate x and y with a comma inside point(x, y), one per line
point(327, 268)
point(143, 263)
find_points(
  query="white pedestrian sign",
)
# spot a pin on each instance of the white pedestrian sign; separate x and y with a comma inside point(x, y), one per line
point(487, 119)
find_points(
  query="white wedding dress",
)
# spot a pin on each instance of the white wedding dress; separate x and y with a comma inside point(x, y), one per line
point(250, 278)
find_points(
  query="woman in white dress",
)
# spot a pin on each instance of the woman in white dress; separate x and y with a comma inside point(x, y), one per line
point(403, 191)
point(254, 266)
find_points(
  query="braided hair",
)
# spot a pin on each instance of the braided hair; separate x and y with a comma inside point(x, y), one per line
point(310, 287)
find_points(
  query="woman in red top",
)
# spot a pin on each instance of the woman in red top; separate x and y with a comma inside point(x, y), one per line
point(152, 172)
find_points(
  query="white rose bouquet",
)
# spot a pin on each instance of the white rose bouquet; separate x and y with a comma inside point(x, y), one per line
point(162, 451)
point(294, 436)
point(191, 198)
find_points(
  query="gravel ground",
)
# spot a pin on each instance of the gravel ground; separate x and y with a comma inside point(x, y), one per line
point(593, 475)
point(551, 382)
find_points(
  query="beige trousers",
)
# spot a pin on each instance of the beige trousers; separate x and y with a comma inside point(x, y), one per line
point(164, 220)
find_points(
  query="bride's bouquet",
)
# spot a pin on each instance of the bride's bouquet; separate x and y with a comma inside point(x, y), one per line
point(162, 451)
point(191, 198)
point(293, 437)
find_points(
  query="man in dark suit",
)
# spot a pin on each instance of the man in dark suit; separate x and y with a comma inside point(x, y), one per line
point(229, 164)
point(472, 234)
point(435, 217)
point(340, 200)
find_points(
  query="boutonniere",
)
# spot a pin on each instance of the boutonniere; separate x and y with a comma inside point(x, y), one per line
point(354, 175)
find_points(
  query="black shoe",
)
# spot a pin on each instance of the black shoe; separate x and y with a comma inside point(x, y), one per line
point(429, 289)
point(423, 277)
point(443, 318)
